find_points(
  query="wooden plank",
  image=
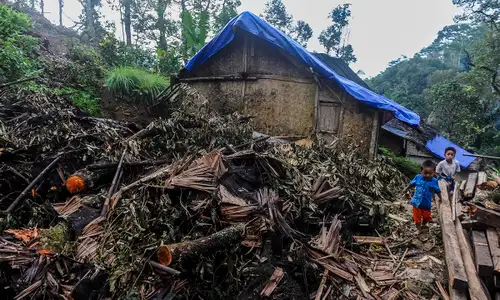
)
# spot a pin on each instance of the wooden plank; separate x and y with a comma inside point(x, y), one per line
point(484, 264)
point(471, 185)
point(459, 212)
point(486, 216)
point(492, 236)
point(454, 262)
point(473, 224)
point(462, 186)
point(454, 203)
point(481, 178)
point(475, 288)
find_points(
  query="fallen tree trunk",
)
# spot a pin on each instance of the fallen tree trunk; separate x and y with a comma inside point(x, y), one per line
point(219, 240)
point(85, 180)
point(456, 270)
point(475, 288)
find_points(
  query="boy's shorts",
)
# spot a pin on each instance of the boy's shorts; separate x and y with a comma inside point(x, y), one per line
point(420, 215)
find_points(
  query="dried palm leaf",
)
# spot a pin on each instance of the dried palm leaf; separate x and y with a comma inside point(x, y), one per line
point(199, 178)
point(328, 240)
point(69, 207)
point(87, 250)
point(226, 197)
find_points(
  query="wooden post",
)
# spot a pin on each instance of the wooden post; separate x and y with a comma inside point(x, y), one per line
point(454, 203)
point(475, 288)
point(471, 185)
point(492, 235)
point(484, 264)
point(454, 262)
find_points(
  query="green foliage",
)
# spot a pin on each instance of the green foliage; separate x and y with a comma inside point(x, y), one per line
point(408, 167)
point(333, 38)
point(130, 81)
point(117, 53)
point(87, 67)
point(195, 33)
point(17, 51)
point(479, 11)
point(84, 100)
point(225, 12)
point(12, 23)
point(276, 14)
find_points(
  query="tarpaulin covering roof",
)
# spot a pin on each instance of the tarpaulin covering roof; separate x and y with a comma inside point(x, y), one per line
point(435, 145)
point(254, 25)
point(438, 144)
point(340, 67)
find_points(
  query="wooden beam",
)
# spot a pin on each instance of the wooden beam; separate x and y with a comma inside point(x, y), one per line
point(454, 262)
point(481, 178)
point(475, 288)
point(484, 264)
point(485, 216)
point(471, 185)
point(454, 202)
point(368, 240)
point(492, 236)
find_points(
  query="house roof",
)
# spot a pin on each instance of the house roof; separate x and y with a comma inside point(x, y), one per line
point(341, 68)
point(427, 136)
point(254, 25)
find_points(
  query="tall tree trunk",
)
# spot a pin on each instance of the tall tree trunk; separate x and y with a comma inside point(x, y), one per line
point(32, 2)
point(42, 8)
point(184, 41)
point(61, 4)
point(126, 20)
point(89, 17)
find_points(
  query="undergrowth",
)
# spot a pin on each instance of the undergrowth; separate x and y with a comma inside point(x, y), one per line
point(408, 167)
point(84, 100)
point(17, 51)
point(130, 81)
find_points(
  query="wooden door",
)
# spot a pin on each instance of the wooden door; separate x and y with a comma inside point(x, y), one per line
point(329, 117)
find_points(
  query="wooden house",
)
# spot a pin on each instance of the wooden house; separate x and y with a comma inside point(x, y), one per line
point(254, 69)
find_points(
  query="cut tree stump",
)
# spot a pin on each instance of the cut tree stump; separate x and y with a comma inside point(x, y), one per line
point(475, 288)
point(492, 236)
point(481, 178)
point(454, 262)
point(471, 186)
point(484, 264)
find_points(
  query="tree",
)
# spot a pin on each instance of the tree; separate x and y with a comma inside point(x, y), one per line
point(276, 14)
point(334, 37)
point(480, 11)
point(127, 22)
point(224, 13)
point(302, 33)
point(457, 112)
point(61, 4)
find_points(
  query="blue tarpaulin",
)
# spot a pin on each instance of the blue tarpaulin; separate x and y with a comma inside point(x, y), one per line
point(438, 144)
point(256, 26)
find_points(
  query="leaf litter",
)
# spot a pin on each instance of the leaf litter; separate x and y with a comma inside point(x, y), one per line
point(189, 207)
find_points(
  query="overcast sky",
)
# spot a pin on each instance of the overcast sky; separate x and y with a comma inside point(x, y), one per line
point(380, 30)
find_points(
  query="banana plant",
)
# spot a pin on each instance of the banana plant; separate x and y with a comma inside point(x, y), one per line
point(195, 31)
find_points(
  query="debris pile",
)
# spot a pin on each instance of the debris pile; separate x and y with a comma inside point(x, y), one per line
point(470, 222)
point(189, 207)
